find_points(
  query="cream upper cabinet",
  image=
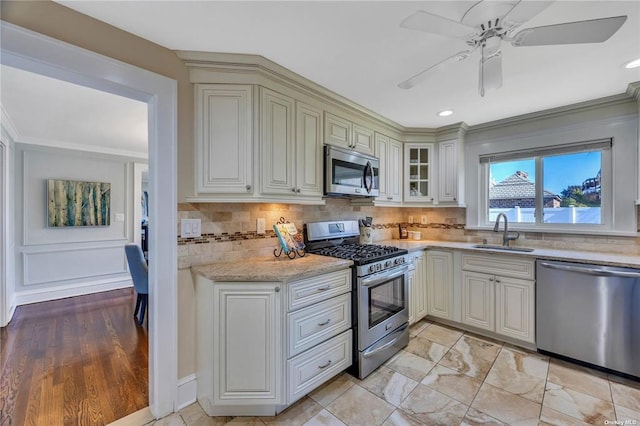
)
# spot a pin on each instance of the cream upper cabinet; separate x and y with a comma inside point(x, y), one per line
point(498, 295)
point(224, 139)
point(417, 287)
point(291, 146)
point(277, 144)
point(308, 150)
point(344, 133)
point(338, 131)
point(362, 139)
point(440, 284)
point(448, 171)
point(389, 151)
point(418, 172)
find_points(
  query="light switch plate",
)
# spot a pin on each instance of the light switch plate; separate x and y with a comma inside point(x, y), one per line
point(423, 219)
point(260, 225)
point(119, 217)
point(190, 228)
point(410, 219)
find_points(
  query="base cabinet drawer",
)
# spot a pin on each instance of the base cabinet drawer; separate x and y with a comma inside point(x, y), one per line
point(312, 368)
point(316, 289)
point(317, 323)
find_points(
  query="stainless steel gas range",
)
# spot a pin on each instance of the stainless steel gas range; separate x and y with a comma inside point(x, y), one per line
point(380, 291)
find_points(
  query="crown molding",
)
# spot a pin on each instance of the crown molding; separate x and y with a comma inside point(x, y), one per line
point(48, 143)
point(620, 99)
point(633, 90)
point(249, 65)
point(7, 124)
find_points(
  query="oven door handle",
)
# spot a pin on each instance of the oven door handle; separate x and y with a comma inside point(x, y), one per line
point(371, 352)
point(384, 276)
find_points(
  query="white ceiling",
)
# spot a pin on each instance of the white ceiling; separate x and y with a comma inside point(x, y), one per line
point(47, 111)
point(358, 50)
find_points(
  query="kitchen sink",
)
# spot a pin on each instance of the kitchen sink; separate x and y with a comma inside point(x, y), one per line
point(505, 248)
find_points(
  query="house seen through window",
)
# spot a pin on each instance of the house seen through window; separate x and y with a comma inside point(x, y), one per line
point(554, 186)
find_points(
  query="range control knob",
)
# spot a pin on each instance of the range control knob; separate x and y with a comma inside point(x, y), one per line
point(387, 263)
point(372, 268)
point(399, 261)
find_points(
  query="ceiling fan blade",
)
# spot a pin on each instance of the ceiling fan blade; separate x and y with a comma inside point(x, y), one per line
point(490, 73)
point(436, 24)
point(418, 78)
point(591, 31)
point(522, 12)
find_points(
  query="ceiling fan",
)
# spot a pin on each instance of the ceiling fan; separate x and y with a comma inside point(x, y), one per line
point(486, 24)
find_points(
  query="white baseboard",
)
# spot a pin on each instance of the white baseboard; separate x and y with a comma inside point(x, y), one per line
point(79, 289)
point(187, 391)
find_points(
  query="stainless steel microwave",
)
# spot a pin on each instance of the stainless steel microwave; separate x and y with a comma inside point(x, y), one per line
point(350, 173)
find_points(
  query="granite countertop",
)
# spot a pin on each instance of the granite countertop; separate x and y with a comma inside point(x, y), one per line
point(610, 259)
point(280, 269)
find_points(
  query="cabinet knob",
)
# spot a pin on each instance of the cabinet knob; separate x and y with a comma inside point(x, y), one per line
point(248, 187)
point(293, 190)
point(277, 289)
point(491, 279)
point(455, 199)
point(298, 190)
point(389, 198)
point(497, 280)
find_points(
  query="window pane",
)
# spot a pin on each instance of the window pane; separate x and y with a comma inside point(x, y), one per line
point(512, 190)
point(572, 184)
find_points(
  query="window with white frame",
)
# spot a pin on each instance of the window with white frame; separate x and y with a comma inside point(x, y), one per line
point(561, 186)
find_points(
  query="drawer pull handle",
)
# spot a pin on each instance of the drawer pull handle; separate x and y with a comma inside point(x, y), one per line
point(277, 289)
point(324, 323)
point(324, 288)
point(322, 367)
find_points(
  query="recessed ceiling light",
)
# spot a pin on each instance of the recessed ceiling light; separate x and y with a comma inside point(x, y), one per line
point(445, 113)
point(633, 64)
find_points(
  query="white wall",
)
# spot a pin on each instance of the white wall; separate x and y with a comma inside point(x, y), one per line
point(61, 262)
point(614, 118)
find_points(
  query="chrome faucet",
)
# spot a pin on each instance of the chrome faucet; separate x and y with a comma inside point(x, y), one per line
point(506, 235)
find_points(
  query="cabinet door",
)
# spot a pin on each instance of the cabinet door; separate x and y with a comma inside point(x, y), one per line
point(381, 151)
point(447, 172)
point(223, 152)
point(277, 145)
point(440, 284)
point(418, 165)
point(362, 139)
point(515, 308)
point(308, 150)
point(419, 297)
point(337, 131)
point(247, 343)
point(412, 291)
point(394, 166)
point(478, 300)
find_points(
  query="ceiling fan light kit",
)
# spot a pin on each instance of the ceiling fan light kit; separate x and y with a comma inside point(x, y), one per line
point(487, 23)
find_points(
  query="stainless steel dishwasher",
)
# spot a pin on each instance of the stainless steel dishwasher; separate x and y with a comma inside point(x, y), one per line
point(589, 313)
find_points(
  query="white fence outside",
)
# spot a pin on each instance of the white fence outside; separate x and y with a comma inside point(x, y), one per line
point(590, 215)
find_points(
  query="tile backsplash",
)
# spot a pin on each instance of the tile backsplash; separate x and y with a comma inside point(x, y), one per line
point(229, 229)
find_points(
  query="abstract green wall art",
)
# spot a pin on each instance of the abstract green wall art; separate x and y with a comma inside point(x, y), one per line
point(78, 203)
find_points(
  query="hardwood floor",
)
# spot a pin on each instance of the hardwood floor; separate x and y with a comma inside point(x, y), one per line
point(75, 361)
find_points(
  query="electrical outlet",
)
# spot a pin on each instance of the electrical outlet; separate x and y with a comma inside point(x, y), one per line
point(423, 219)
point(410, 219)
point(260, 225)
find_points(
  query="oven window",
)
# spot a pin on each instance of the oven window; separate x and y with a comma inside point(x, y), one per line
point(386, 300)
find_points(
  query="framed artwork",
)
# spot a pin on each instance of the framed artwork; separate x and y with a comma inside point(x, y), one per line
point(78, 203)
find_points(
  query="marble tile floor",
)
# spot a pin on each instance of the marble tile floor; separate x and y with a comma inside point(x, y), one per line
point(449, 377)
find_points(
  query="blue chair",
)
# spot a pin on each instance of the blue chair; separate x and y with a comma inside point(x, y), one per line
point(140, 277)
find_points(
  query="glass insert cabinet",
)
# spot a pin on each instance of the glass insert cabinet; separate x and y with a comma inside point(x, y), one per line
point(419, 171)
